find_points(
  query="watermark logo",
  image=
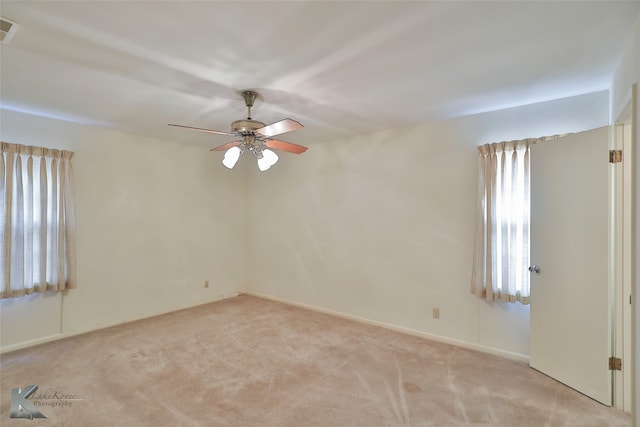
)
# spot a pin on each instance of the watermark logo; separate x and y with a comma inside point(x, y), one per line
point(25, 402)
point(21, 407)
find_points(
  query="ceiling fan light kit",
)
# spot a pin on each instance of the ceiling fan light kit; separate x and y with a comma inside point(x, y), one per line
point(255, 137)
point(268, 159)
point(231, 157)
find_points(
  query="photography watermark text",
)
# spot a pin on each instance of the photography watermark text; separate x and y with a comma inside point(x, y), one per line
point(25, 401)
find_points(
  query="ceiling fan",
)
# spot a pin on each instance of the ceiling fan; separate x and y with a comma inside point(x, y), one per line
point(255, 137)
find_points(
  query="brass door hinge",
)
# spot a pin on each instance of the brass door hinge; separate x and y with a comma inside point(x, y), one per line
point(615, 156)
point(615, 364)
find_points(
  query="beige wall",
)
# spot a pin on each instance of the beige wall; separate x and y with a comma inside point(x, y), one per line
point(627, 73)
point(381, 226)
point(154, 221)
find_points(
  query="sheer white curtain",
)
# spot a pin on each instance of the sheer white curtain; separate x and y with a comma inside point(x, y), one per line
point(37, 220)
point(501, 256)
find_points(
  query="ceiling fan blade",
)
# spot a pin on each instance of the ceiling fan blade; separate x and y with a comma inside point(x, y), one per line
point(227, 145)
point(285, 146)
point(277, 128)
point(217, 132)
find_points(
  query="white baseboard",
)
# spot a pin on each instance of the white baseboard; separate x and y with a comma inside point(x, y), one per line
point(409, 331)
point(59, 336)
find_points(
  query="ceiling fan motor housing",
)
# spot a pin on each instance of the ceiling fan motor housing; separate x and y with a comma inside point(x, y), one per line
point(246, 126)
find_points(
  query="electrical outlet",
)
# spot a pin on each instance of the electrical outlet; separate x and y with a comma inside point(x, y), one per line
point(436, 313)
point(206, 283)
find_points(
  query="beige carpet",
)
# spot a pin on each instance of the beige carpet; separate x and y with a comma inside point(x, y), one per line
point(246, 361)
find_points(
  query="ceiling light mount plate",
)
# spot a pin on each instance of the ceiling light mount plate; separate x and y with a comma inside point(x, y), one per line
point(249, 97)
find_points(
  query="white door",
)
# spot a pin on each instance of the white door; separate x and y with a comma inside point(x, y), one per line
point(570, 323)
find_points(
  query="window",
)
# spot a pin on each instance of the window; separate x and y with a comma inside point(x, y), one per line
point(501, 257)
point(37, 220)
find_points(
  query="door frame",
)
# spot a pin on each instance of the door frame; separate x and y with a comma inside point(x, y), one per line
point(621, 176)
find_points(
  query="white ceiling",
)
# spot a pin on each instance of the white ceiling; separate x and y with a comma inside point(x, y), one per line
point(340, 68)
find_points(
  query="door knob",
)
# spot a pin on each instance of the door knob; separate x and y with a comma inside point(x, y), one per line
point(534, 269)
